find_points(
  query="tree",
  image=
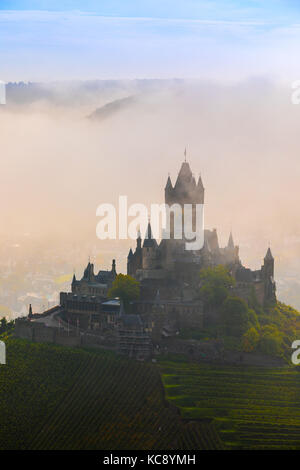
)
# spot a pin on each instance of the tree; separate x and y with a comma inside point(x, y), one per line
point(6, 325)
point(235, 316)
point(271, 340)
point(250, 340)
point(3, 325)
point(126, 288)
point(253, 319)
point(215, 284)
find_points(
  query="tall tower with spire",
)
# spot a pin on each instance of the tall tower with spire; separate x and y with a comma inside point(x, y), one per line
point(185, 191)
point(268, 276)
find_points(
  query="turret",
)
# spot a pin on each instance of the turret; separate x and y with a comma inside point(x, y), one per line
point(231, 251)
point(149, 250)
point(268, 275)
point(130, 257)
point(169, 184)
point(185, 191)
point(139, 240)
point(113, 267)
point(74, 283)
point(230, 243)
point(269, 264)
point(30, 314)
point(149, 241)
point(200, 184)
point(88, 274)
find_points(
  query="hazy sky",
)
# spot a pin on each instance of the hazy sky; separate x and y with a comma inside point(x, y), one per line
point(224, 40)
point(56, 166)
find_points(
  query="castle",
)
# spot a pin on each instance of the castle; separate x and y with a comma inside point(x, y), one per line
point(169, 283)
point(174, 271)
point(168, 275)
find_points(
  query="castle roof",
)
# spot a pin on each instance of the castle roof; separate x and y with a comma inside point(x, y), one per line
point(269, 256)
point(185, 174)
point(104, 276)
point(169, 183)
point(149, 241)
point(88, 274)
point(230, 241)
point(200, 184)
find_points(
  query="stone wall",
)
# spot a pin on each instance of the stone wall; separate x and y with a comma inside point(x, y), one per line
point(40, 333)
point(245, 291)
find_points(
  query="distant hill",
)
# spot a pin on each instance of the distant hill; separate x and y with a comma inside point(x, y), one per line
point(87, 92)
point(112, 108)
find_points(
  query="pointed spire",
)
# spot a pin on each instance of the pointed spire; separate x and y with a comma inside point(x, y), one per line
point(130, 254)
point(200, 184)
point(230, 241)
point(89, 272)
point(148, 231)
point(113, 266)
point(74, 279)
point(184, 176)
point(269, 256)
point(185, 154)
point(30, 314)
point(169, 183)
point(149, 241)
point(138, 240)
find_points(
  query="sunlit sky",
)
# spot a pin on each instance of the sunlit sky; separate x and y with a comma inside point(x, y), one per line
point(223, 40)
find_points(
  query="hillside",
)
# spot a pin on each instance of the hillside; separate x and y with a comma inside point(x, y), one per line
point(252, 408)
point(59, 398)
point(55, 397)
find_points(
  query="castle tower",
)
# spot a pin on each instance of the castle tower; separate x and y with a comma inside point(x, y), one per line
point(185, 191)
point(149, 250)
point(269, 265)
point(130, 269)
point(30, 314)
point(268, 276)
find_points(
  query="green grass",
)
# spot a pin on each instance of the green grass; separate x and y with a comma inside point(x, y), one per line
point(252, 408)
point(53, 397)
